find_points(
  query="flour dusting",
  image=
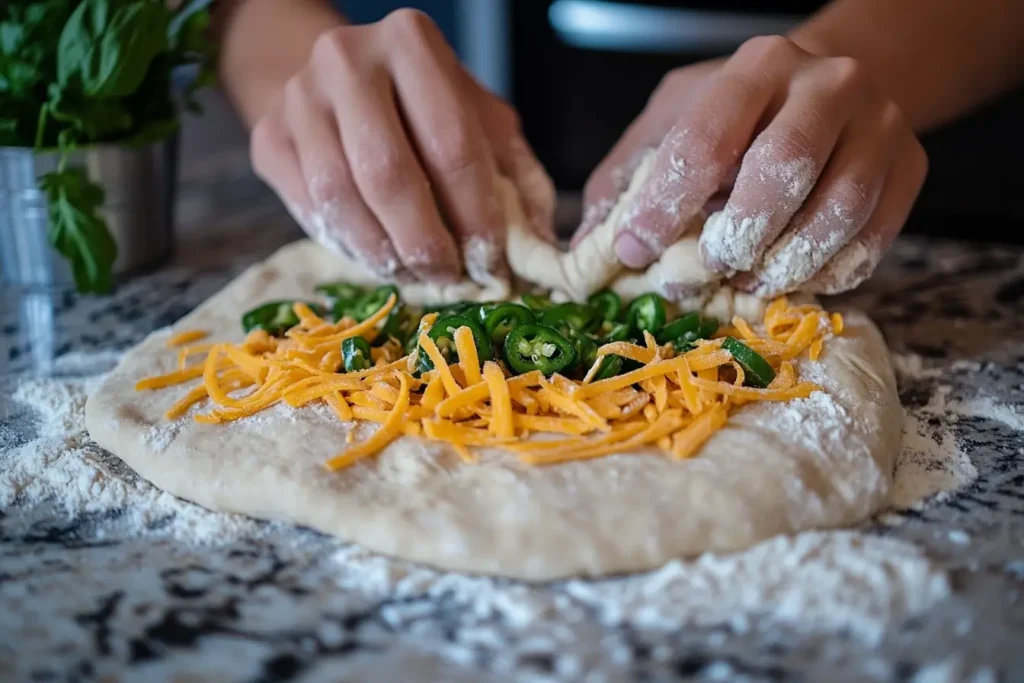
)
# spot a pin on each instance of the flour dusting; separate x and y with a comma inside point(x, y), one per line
point(63, 467)
point(838, 581)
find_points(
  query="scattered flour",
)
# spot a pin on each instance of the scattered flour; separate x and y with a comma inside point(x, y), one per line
point(839, 581)
point(63, 467)
point(930, 463)
point(860, 584)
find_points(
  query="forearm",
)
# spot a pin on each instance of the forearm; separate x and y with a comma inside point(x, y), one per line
point(263, 43)
point(936, 58)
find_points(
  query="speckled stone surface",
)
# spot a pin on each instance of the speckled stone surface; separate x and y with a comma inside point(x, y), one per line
point(120, 606)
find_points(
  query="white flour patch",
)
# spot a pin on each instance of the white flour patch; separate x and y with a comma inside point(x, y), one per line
point(831, 581)
point(483, 258)
point(932, 466)
point(795, 177)
point(733, 240)
point(62, 467)
point(851, 266)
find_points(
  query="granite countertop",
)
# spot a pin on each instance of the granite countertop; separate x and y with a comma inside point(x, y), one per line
point(105, 602)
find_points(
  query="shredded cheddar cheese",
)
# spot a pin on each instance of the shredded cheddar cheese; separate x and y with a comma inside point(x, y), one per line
point(674, 402)
point(187, 337)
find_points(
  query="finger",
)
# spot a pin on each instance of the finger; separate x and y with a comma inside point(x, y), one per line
point(451, 144)
point(275, 162)
point(706, 141)
point(611, 177)
point(782, 166)
point(515, 158)
point(838, 208)
point(857, 260)
point(384, 166)
point(338, 217)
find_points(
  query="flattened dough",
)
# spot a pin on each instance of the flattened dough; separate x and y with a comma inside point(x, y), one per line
point(820, 462)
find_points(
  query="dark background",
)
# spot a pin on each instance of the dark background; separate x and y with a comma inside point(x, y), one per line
point(576, 101)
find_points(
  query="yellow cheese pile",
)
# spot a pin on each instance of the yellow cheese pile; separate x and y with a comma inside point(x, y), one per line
point(674, 401)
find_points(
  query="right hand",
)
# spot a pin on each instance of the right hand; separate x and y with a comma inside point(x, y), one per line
point(384, 148)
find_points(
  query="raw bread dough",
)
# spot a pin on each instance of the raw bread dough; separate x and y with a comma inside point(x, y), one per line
point(576, 274)
point(825, 461)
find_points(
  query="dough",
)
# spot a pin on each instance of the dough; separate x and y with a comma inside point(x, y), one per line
point(825, 461)
point(592, 265)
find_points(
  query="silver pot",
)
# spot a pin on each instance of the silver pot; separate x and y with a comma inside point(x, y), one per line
point(139, 209)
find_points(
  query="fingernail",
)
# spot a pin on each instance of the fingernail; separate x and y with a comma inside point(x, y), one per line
point(632, 252)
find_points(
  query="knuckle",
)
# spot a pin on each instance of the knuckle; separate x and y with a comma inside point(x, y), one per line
point(856, 199)
point(333, 183)
point(669, 83)
point(437, 254)
point(847, 73)
point(409, 22)
point(707, 151)
point(892, 117)
point(791, 145)
point(381, 171)
point(266, 137)
point(294, 89)
point(332, 48)
point(455, 151)
point(760, 48)
point(919, 159)
point(508, 118)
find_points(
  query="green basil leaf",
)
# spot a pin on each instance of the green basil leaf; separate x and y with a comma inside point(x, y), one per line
point(94, 119)
point(28, 52)
point(77, 230)
point(107, 47)
point(78, 45)
point(135, 36)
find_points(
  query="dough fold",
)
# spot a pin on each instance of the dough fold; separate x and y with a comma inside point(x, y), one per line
point(679, 274)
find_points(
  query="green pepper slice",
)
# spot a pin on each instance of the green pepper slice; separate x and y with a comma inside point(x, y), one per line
point(686, 330)
point(414, 339)
point(617, 333)
point(607, 303)
point(610, 367)
point(355, 354)
point(579, 317)
point(586, 350)
point(533, 346)
point(339, 291)
point(499, 320)
point(275, 317)
point(536, 302)
point(445, 310)
point(399, 324)
point(756, 370)
point(646, 313)
point(370, 303)
point(687, 324)
point(442, 333)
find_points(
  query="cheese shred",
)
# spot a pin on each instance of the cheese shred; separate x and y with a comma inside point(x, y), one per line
point(673, 402)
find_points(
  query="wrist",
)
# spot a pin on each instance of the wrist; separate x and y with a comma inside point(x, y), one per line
point(263, 44)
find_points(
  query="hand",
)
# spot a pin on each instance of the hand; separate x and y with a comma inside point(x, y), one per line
point(820, 170)
point(384, 148)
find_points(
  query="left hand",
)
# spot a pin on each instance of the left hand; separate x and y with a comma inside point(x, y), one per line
point(819, 168)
